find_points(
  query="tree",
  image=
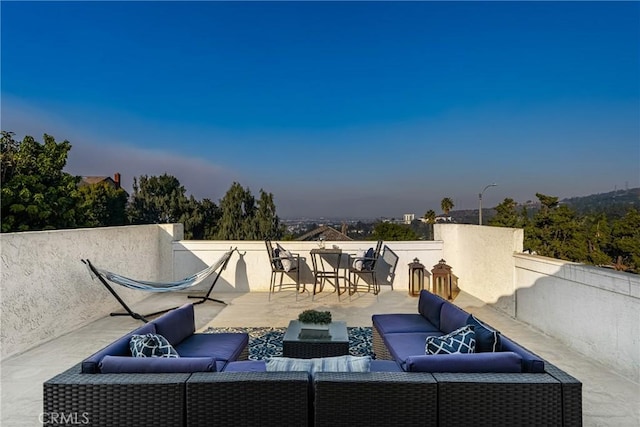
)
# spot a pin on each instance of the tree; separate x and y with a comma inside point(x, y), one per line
point(267, 222)
point(556, 232)
point(430, 216)
point(390, 231)
point(625, 241)
point(157, 200)
point(446, 204)
point(162, 200)
point(36, 193)
point(506, 215)
point(103, 205)
point(243, 219)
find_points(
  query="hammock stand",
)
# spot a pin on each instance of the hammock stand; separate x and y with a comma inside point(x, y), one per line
point(105, 276)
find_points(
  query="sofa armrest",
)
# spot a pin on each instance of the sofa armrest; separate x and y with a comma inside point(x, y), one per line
point(156, 365)
point(500, 362)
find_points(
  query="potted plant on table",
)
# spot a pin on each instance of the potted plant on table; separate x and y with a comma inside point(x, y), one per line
point(314, 323)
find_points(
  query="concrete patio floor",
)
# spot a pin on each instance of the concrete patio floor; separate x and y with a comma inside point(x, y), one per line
point(609, 399)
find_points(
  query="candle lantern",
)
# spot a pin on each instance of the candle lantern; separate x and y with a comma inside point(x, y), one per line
point(416, 277)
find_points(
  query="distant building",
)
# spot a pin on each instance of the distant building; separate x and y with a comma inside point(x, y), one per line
point(91, 180)
point(408, 218)
point(324, 233)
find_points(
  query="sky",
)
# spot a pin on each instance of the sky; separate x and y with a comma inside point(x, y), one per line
point(340, 109)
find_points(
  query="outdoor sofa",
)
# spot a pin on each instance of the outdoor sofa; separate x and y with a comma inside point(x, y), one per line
point(241, 392)
point(502, 384)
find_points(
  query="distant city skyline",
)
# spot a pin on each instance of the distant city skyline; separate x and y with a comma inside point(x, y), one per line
point(340, 109)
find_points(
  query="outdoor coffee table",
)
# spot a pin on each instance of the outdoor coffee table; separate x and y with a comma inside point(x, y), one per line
point(335, 345)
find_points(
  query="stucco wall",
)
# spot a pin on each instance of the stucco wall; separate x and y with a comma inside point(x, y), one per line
point(47, 291)
point(482, 258)
point(249, 269)
point(593, 310)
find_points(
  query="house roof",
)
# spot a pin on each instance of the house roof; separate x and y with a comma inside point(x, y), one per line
point(328, 232)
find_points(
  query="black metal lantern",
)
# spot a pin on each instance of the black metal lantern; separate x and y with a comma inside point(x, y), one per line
point(416, 277)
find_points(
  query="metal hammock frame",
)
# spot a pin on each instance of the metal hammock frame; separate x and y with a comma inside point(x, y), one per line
point(106, 276)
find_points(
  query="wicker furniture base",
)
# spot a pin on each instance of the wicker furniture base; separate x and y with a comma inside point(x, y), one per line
point(375, 399)
point(379, 348)
point(248, 399)
point(116, 399)
point(337, 345)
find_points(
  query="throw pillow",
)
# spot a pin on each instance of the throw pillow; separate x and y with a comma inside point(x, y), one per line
point(358, 261)
point(279, 364)
point(320, 364)
point(151, 345)
point(461, 340)
point(368, 262)
point(487, 339)
point(277, 262)
point(288, 260)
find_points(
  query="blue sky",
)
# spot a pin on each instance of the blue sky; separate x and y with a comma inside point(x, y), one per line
point(339, 109)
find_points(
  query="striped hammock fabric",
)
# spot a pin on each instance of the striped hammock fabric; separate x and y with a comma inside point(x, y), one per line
point(185, 283)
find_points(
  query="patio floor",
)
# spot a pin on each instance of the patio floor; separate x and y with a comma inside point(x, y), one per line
point(609, 399)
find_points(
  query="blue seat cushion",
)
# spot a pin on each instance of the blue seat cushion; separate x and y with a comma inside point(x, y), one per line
point(402, 346)
point(530, 362)
point(429, 306)
point(452, 318)
point(385, 366)
point(223, 346)
point(120, 347)
point(392, 323)
point(155, 365)
point(177, 324)
point(502, 362)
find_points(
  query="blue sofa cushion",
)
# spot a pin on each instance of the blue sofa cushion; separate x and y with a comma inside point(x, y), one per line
point(120, 347)
point(501, 362)
point(223, 346)
point(487, 339)
point(177, 324)
point(530, 362)
point(429, 306)
point(459, 341)
point(155, 365)
point(151, 345)
point(402, 346)
point(452, 317)
point(392, 323)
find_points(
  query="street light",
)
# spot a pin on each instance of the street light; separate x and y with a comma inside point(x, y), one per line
point(480, 198)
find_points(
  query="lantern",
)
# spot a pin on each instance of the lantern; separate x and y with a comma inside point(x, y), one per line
point(416, 277)
point(443, 278)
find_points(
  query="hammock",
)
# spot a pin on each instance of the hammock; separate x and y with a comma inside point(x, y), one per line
point(185, 283)
point(147, 286)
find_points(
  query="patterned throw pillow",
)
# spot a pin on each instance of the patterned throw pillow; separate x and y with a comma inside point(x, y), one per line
point(288, 260)
point(487, 339)
point(277, 263)
point(151, 345)
point(461, 340)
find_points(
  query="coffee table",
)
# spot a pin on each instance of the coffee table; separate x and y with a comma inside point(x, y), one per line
point(335, 345)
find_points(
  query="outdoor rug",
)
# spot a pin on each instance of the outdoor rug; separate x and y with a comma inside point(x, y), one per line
point(267, 342)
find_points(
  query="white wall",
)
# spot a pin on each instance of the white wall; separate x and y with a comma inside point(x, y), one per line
point(47, 291)
point(249, 269)
point(482, 258)
point(593, 310)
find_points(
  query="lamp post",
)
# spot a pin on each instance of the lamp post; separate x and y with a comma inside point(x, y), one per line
point(480, 198)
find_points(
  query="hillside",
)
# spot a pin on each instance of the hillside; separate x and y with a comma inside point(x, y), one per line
point(614, 204)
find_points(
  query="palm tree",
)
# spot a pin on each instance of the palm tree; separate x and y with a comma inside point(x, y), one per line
point(446, 205)
point(430, 216)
